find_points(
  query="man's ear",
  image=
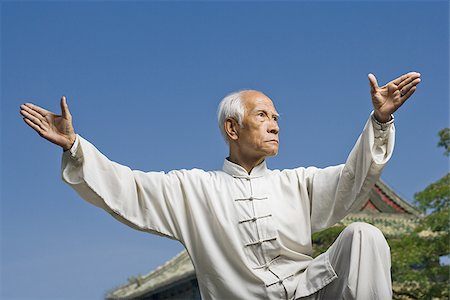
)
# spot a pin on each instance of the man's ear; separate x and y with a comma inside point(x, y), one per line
point(231, 128)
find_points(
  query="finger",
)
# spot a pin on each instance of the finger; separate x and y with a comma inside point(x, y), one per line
point(39, 109)
point(398, 80)
point(409, 79)
point(32, 112)
point(32, 119)
point(38, 129)
point(64, 108)
point(373, 82)
point(407, 87)
point(407, 95)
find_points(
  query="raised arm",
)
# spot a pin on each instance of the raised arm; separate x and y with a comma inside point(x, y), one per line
point(57, 129)
point(336, 191)
point(148, 201)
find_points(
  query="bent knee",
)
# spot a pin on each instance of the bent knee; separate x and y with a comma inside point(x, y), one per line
point(366, 230)
point(362, 226)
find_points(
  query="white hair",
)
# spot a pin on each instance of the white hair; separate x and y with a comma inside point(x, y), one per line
point(232, 106)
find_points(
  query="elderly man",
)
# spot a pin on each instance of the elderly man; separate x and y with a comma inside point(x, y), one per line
point(246, 228)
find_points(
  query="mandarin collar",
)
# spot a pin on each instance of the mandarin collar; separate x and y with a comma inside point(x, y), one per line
point(236, 170)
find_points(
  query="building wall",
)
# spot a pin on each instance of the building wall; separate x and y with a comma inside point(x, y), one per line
point(185, 290)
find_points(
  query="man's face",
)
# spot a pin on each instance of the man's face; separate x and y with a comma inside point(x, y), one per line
point(259, 135)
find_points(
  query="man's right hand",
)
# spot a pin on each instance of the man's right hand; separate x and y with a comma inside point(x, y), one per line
point(57, 129)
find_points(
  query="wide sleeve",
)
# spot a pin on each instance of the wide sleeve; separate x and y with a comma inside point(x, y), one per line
point(336, 191)
point(147, 201)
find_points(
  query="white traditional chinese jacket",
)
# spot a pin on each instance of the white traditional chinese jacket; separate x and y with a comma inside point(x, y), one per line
point(248, 235)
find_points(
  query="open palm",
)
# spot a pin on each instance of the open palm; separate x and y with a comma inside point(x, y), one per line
point(57, 129)
point(388, 98)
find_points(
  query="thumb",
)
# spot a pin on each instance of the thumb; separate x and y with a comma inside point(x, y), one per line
point(373, 82)
point(64, 108)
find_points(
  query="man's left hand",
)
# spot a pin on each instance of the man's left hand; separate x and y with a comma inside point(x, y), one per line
point(387, 99)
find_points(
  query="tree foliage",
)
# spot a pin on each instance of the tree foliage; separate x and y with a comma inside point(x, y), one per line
point(416, 265)
point(322, 240)
point(444, 140)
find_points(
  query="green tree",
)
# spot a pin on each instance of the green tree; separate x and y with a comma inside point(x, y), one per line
point(416, 268)
point(444, 141)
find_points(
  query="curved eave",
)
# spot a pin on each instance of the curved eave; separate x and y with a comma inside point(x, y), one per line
point(389, 192)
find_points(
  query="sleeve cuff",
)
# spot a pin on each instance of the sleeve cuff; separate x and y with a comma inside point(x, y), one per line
point(73, 152)
point(381, 131)
point(381, 126)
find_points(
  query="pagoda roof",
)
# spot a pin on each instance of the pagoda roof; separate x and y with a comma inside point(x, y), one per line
point(383, 199)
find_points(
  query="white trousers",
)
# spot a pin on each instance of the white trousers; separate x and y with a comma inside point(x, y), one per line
point(362, 260)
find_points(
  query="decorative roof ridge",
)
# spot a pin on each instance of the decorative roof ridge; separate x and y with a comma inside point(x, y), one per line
point(385, 188)
point(382, 215)
point(139, 286)
point(179, 257)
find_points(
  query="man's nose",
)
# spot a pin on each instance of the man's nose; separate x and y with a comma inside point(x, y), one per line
point(273, 127)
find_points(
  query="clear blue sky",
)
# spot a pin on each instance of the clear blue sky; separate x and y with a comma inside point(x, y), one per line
point(143, 80)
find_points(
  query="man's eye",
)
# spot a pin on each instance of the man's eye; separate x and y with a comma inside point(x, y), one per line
point(261, 114)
